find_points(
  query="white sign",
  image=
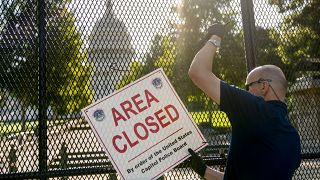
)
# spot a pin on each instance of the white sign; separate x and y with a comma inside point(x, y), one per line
point(144, 127)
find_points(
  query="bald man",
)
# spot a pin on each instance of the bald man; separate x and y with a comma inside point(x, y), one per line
point(264, 144)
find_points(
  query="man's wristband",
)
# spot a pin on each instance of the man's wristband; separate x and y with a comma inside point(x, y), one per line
point(215, 42)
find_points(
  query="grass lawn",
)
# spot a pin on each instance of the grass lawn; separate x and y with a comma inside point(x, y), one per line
point(218, 119)
point(7, 128)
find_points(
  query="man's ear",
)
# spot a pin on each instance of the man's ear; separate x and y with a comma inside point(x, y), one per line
point(265, 87)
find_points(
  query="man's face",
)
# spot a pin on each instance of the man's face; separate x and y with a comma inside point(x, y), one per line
point(253, 85)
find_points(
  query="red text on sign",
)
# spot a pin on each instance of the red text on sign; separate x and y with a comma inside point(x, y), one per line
point(133, 106)
point(142, 130)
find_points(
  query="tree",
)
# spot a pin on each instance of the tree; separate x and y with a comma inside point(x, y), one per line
point(161, 55)
point(267, 41)
point(67, 70)
point(229, 65)
point(300, 30)
point(174, 52)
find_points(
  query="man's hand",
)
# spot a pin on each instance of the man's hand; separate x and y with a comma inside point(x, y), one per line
point(216, 29)
point(197, 163)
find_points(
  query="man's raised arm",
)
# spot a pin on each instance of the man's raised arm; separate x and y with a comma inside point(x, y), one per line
point(200, 70)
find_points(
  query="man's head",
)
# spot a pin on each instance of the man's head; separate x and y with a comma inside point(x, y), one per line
point(267, 81)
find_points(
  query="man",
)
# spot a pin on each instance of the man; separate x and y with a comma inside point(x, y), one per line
point(264, 144)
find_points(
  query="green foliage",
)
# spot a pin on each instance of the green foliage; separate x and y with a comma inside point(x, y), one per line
point(273, 47)
point(229, 63)
point(67, 70)
point(174, 52)
point(267, 41)
point(162, 55)
point(133, 74)
point(300, 30)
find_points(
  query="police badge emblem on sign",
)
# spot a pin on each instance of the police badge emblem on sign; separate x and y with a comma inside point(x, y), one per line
point(144, 127)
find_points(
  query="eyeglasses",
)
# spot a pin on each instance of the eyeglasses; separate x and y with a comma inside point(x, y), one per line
point(257, 82)
point(260, 81)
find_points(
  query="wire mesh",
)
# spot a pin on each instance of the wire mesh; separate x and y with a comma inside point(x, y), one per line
point(279, 45)
point(93, 48)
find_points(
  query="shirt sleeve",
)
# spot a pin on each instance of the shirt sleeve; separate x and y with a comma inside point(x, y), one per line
point(241, 107)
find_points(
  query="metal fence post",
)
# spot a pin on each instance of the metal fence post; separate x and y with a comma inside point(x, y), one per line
point(13, 159)
point(249, 33)
point(63, 163)
point(63, 156)
point(42, 90)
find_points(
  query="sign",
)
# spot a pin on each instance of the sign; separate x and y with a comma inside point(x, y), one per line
point(144, 127)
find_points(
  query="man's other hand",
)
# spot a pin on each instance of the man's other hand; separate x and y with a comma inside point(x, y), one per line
point(197, 163)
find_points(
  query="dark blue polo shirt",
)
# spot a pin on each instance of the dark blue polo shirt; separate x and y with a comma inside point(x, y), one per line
point(264, 144)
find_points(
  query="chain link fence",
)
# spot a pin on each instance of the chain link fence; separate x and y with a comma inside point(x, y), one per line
point(58, 56)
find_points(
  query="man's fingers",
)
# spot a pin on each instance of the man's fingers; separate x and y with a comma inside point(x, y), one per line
point(196, 163)
point(191, 152)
